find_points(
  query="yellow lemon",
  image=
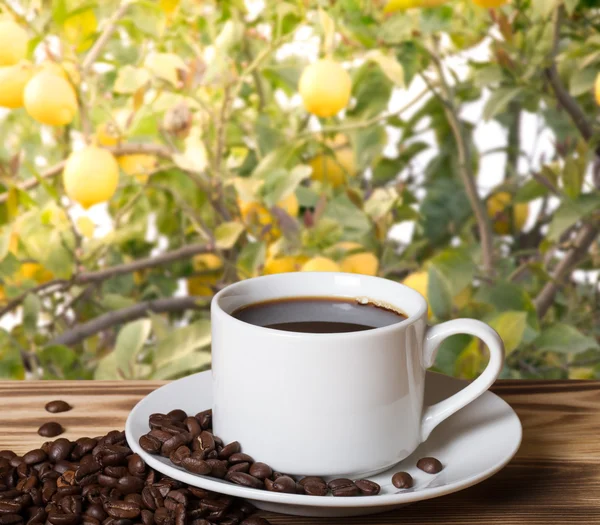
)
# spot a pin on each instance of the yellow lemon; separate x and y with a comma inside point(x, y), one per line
point(400, 5)
point(91, 175)
point(34, 272)
point(50, 99)
point(86, 227)
point(498, 208)
point(13, 42)
point(13, 80)
point(490, 3)
point(597, 89)
point(138, 165)
point(284, 264)
point(325, 87)
point(206, 262)
point(107, 134)
point(290, 205)
point(364, 263)
point(320, 264)
point(337, 167)
point(419, 281)
point(198, 286)
point(168, 6)
point(67, 70)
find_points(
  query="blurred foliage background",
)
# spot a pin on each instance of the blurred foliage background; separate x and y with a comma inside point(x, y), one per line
point(152, 152)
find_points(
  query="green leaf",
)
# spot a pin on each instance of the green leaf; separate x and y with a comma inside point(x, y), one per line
point(251, 258)
point(183, 365)
point(389, 65)
point(353, 220)
point(31, 311)
point(107, 368)
point(439, 295)
point(279, 184)
point(307, 198)
point(130, 341)
point(506, 296)
point(113, 301)
point(59, 11)
point(181, 343)
point(570, 6)
point(381, 202)
point(276, 159)
point(565, 339)
point(582, 82)
point(324, 234)
point(372, 90)
point(455, 267)
point(368, 145)
point(227, 234)
point(11, 364)
point(530, 191)
point(130, 79)
point(449, 351)
point(543, 8)
point(5, 236)
point(488, 75)
point(571, 211)
point(510, 326)
point(499, 101)
point(572, 178)
point(57, 360)
point(444, 209)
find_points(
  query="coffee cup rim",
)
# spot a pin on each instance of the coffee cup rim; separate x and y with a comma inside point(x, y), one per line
point(218, 310)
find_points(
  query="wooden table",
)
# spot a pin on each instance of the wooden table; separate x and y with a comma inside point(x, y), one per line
point(554, 479)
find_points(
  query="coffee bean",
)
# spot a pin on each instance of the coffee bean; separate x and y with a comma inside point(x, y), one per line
point(177, 456)
point(255, 520)
point(218, 468)
point(7, 454)
point(192, 425)
point(368, 487)
point(246, 480)
point(430, 465)
point(177, 415)
point(260, 470)
point(51, 429)
point(60, 449)
point(228, 450)
point(58, 406)
point(284, 484)
point(312, 479)
point(122, 509)
point(152, 498)
point(240, 467)
point(34, 456)
point(315, 489)
point(96, 511)
point(136, 465)
point(174, 442)
point(402, 480)
point(11, 519)
point(205, 442)
point(343, 488)
point(130, 484)
point(56, 518)
point(150, 444)
point(10, 507)
point(240, 457)
point(196, 466)
point(205, 419)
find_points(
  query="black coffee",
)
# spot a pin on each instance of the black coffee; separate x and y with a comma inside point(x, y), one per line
point(318, 315)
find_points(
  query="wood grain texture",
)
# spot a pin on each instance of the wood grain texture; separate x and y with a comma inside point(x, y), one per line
point(554, 479)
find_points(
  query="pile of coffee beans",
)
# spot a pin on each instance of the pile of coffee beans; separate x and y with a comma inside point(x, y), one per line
point(100, 481)
point(189, 443)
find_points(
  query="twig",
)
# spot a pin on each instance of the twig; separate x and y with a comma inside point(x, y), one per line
point(110, 319)
point(564, 97)
point(465, 170)
point(588, 232)
point(102, 275)
point(585, 238)
point(513, 148)
point(110, 28)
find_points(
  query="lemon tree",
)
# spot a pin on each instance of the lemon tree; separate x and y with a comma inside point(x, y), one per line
point(151, 153)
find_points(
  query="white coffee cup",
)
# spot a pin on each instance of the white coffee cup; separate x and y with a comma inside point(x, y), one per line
point(332, 404)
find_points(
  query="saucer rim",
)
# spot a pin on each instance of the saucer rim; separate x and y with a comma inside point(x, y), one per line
point(382, 500)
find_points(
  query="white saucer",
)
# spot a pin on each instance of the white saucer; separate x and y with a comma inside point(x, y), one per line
point(473, 444)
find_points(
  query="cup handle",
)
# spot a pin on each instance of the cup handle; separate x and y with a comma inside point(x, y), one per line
point(434, 336)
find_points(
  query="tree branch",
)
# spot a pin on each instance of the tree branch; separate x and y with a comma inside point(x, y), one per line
point(588, 232)
point(131, 313)
point(141, 264)
point(582, 243)
point(465, 171)
point(110, 28)
point(121, 269)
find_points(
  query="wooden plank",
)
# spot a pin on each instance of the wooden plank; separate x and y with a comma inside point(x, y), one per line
point(555, 477)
